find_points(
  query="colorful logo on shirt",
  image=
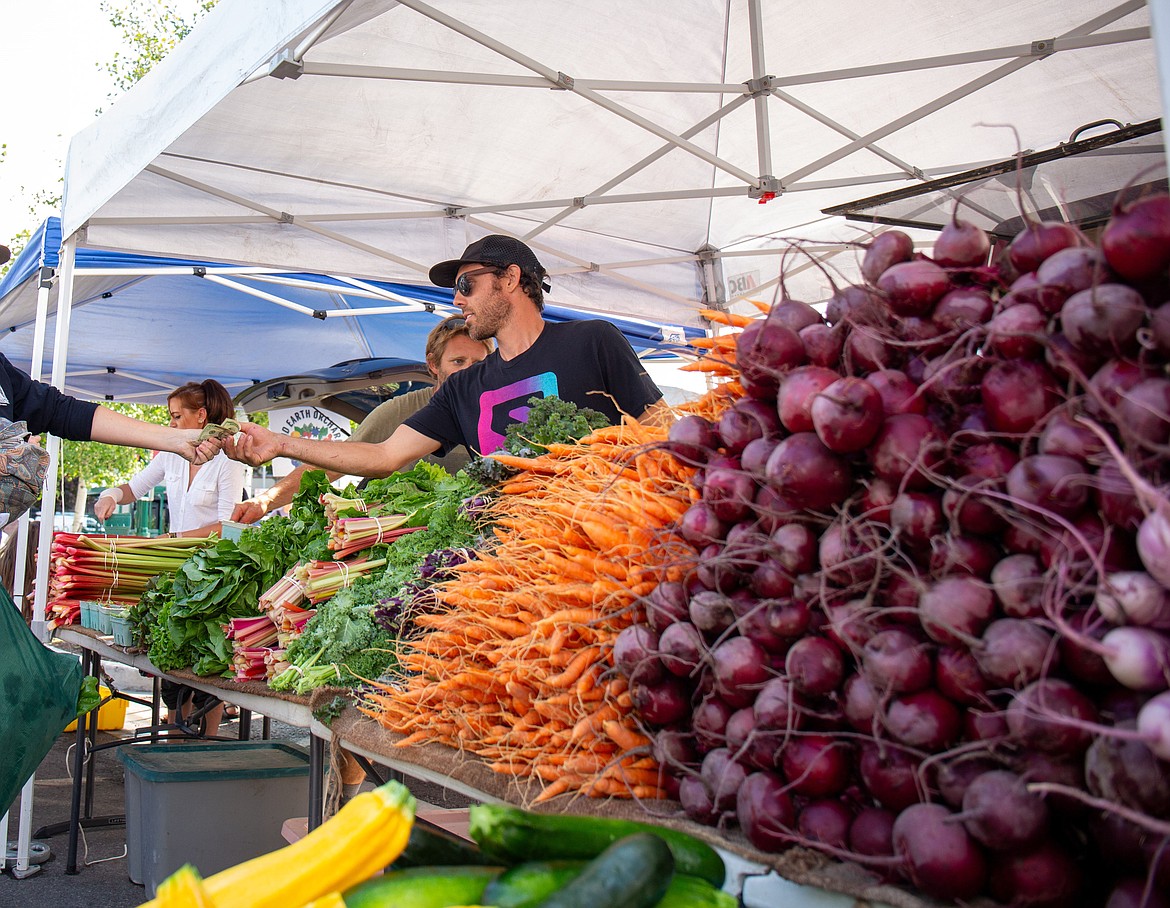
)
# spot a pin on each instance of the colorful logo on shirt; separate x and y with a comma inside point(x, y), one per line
point(503, 406)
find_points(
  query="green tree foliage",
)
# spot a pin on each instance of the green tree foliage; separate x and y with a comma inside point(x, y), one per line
point(16, 243)
point(150, 30)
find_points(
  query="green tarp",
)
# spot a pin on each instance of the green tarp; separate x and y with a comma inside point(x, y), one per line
point(40, 691)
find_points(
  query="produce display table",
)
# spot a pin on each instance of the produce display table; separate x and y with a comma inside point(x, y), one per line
point(249, 697)
point(798, 877)
point(801, 877)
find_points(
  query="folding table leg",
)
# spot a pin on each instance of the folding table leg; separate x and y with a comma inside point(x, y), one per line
point(96, 662)
point(78, 769)
point(155, 708)
point(316, 780)
point(23, 868)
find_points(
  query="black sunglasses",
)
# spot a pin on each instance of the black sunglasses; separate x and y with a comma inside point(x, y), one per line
point(463, 282)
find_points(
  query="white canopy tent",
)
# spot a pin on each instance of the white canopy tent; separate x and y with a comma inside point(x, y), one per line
point(658, 157)
point(648, 155)
point(654, 158)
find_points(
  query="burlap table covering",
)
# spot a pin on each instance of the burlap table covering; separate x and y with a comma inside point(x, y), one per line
point(800, 865)
point(227, 685)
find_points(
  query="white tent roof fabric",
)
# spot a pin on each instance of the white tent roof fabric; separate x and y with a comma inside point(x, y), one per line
point(632, 145)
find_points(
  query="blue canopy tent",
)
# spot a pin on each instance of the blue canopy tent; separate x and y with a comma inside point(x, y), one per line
point(142, 325)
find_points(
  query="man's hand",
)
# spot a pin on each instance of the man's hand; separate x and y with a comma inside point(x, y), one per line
point(249, 511)
point(254, 445)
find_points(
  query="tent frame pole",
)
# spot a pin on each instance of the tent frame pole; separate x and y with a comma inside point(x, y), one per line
point(53, 443)
point(496, 80)
point(1160, 17)
point(968, 88)
point(759, 74)
point(1063, 43)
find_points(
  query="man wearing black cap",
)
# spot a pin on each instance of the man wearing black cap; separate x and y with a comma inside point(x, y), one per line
point(499, 284)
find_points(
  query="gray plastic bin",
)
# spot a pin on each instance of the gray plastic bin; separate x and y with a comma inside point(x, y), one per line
point(212, 805)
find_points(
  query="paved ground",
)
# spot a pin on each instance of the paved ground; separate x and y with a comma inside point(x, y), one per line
point(103, 879)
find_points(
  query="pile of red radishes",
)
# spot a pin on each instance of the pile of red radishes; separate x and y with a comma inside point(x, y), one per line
point(930, 627)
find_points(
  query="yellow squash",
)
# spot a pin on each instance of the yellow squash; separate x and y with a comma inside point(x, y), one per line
point(183, 889)
point(332, 900)
point(367, 834)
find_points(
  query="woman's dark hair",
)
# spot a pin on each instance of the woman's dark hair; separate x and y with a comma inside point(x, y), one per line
point(208, 393)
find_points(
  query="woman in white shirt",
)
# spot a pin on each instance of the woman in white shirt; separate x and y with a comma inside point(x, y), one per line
point(199, 499)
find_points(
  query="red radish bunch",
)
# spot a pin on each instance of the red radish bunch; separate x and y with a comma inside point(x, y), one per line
point(930, 629)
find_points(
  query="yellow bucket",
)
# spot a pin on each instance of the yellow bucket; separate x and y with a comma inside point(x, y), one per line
point(110, 717)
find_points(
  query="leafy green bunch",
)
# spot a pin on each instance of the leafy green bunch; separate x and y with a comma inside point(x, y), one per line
point(344, 642)
point(341, 644)
point(550, 421)
point(180, 619)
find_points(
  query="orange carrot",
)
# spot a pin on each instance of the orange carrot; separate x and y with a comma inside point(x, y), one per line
point(726, 318)
point(580, 663)
point(710, 366)
point(559, 787)
point(625, 738)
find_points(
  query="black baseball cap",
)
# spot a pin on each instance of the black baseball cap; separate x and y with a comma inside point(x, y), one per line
point(493, 249)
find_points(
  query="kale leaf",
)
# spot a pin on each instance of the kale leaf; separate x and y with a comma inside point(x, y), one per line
point(550, 421)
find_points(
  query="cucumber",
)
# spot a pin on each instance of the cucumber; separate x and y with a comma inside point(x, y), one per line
point(433, 846)
point(527, 885)
point(422, 887)
point(511, 835)
point(633, 872)
point(693, 892)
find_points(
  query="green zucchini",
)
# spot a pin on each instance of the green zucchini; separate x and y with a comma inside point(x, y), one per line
point(527, 885)
point(433, 846)
point(693, 892)
point(422, 887)
point(511, 835)
point(633, 872)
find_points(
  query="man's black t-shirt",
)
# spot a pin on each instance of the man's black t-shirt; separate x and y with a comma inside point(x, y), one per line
point(588, 363)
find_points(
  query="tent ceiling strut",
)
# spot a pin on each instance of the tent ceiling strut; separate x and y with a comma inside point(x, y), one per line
point(500, 80)
point(950, 97)
point(1041, 47)
point(565, 81)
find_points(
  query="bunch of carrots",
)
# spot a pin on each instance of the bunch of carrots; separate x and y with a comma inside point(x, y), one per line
point(516, 664)
point(720, 360)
